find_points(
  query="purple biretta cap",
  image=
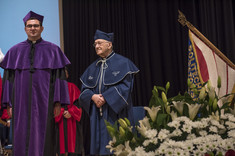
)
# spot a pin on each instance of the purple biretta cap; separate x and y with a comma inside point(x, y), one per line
point(102, 35)
point(32, 14)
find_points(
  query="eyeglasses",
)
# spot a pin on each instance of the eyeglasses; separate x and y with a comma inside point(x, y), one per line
point(98, 43)
point(32, 25)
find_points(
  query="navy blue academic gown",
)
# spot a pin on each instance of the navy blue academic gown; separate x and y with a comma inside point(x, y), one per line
point(113, 78)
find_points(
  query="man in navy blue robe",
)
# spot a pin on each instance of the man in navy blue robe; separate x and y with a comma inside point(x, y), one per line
point(34, 88)
point(106, 91)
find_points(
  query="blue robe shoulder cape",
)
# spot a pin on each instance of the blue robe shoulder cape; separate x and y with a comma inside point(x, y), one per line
point(116, 87)
point(34, 79)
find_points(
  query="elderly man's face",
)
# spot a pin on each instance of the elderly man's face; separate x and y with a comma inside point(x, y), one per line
point(103, 47)
point(33, 29)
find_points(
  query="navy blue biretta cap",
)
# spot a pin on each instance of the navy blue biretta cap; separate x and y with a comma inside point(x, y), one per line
point(102, 35)
point(32, 14)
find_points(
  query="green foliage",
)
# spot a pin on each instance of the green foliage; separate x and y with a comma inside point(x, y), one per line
point(204, 105)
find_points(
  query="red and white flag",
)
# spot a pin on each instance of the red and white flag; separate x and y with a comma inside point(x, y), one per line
point(205, 64)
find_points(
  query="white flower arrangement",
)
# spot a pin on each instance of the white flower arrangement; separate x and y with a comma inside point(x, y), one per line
point(178, 126)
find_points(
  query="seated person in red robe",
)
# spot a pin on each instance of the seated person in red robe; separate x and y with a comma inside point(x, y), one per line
point(69, 136)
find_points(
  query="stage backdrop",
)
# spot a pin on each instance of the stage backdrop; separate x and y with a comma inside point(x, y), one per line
point(12, 13)
point(148, 33)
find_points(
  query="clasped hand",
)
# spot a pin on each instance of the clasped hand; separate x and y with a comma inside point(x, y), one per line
point(98, 100)
point(66, 114)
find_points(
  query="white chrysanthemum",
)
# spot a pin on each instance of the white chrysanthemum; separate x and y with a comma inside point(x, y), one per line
point(188, 146)
point(231, 134)
point(140, 151)
point(169, 151)
point(198, 140)
point(207, 146)
point(230, 125)
point(222, 144)
point(146, 142)
point(165, 131)
point(163, 134)
point(231, 117)
point(187, 128)
point(186, 153)
point(149, 154)
point(212, 138)
point(161, 150)
point(191, 136)
point(213, 129)
point(204, 123)
point(190, 123)
point(183, 118)
point(203, 133)
point(201, 149)
point(170, 143)
point(176, 132)
point(178, 152)
point(151, 133)
point(216, 123)
point(229, 144)
point(196, 124)
point(154, 140)
point(221, 126)
point(214, 146)
point(205, 120)
point(156, 152)
point(174, 124)
point(180, 144)
point(198, 153)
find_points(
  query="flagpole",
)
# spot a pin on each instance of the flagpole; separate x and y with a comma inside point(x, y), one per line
point(182, 19)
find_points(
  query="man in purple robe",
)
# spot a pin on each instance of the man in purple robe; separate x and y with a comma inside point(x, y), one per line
point(106, 91)
point(34, 89)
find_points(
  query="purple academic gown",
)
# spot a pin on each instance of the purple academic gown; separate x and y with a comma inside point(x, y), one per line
point(113, 78)
point(33, 81)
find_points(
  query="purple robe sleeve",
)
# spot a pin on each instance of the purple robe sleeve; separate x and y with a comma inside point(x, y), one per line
point(6, 94)
point(7, 88)
point(61, 94)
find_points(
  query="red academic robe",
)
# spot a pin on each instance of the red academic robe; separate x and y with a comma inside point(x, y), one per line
point(68, 128)
point(5, 115)
point(0, 91)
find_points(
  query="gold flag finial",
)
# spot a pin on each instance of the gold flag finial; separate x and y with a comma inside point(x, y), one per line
point(183, 21)
point(181, 18)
